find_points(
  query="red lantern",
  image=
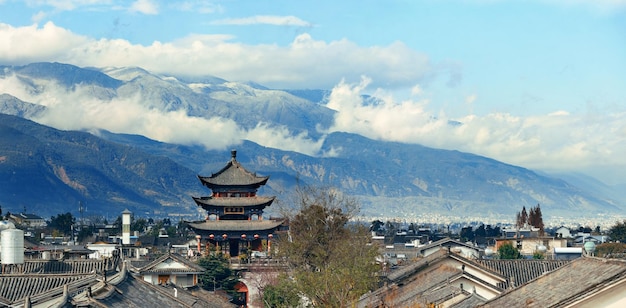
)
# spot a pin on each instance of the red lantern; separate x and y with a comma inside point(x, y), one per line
point(270, 236)
point(224, 236)
point(243, 236)
point(211, 236)
point(256, 236)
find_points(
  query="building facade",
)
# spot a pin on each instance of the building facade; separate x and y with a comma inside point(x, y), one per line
point(234, 222)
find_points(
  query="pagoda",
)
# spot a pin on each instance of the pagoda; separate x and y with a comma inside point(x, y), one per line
point(234, 222)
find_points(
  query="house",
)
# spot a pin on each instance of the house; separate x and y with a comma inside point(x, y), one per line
point(171, 269)
point(563, 232)
point(110, 282)
point(441, 279)
point(528, 246)
point(448, 279)
point(28, 220)
point(584, 282)
point(464, 249)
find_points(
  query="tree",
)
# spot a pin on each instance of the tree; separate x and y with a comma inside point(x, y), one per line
point(63, 223)
point(618, 232)
point(331, 260)
point(467, 234)
point(611, 250)
point(535, 218)
point(507, 251)
point(522, 218)
point(218, 273)
point(281, 294)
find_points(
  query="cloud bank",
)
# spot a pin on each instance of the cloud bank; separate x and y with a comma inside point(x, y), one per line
point(557, 141)
point(306, 63)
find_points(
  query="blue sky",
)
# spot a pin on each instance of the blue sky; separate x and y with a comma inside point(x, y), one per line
point(487, 62)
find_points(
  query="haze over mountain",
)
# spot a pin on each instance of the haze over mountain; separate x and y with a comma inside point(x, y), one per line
point(292, 135)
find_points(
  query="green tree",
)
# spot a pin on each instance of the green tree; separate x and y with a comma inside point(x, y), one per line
point(507, 251)
point(281, 295)
point(63, 223)
point(618, 232)
point(138, 224)
point(331, 260)
point(218, 273)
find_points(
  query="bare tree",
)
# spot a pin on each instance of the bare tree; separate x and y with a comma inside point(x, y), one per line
point(331, 259)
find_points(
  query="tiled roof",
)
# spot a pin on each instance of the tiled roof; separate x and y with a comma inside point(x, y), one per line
point(14, 288)
point(579, 277)
point(233, 174)
point(446, 242)
point(428, 286)
point(235, 225)
point(134, 292)
point(471, 301)
point(190, 267)
point(406, 271)
point(84, 266)
point(235, 201)
point(519, 272)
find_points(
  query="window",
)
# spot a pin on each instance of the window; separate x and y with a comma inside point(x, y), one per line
point(233, 210)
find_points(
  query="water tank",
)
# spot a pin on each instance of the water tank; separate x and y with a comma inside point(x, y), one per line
point(12, 246)
point(590, 247)
point(5, 224)
point(488, 252)
point(542, 248)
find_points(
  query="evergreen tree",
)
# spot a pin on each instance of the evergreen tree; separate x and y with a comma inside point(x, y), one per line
point(507, 251)
point(618, 232)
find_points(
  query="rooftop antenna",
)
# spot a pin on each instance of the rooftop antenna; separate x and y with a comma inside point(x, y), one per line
point(81, 210)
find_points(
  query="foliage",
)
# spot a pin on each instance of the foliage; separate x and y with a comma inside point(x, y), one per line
point(618, 232)
point(538, 256)
point(611, 250)
point(63, 223)
point(533, 218)
point(507, 251)
point(281, 295)
point(467, 234)
point(218, 273)
point(85, 232)
point(331, 259)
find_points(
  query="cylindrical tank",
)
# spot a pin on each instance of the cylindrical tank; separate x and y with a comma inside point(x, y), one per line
point(12, 246)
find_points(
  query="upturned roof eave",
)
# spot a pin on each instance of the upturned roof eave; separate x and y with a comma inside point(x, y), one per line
point(234, 201)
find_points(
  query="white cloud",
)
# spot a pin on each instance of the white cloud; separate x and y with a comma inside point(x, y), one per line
point(32, 43)
point(306, 63)
point(266, 20)
point(555, 141)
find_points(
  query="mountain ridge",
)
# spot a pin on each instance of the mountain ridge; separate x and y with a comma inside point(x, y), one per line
point(389, 177)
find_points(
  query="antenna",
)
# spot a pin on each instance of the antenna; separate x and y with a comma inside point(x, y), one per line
point(81, 210)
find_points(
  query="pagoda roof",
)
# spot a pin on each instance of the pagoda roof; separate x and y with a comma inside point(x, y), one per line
point(233, 174)
point(235, 225)
point(235, 201)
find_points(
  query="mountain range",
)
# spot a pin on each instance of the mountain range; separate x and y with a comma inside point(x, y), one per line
point(49, 170)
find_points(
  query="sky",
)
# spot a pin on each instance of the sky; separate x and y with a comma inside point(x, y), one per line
point(537, 83)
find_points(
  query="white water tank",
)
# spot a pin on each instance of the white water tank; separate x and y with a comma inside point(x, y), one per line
point(12, 246)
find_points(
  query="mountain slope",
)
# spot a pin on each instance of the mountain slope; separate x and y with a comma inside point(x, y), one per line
point(391, 179)
point(49, 171)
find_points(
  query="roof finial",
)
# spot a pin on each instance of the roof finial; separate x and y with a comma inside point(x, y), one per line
point(233, 154)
